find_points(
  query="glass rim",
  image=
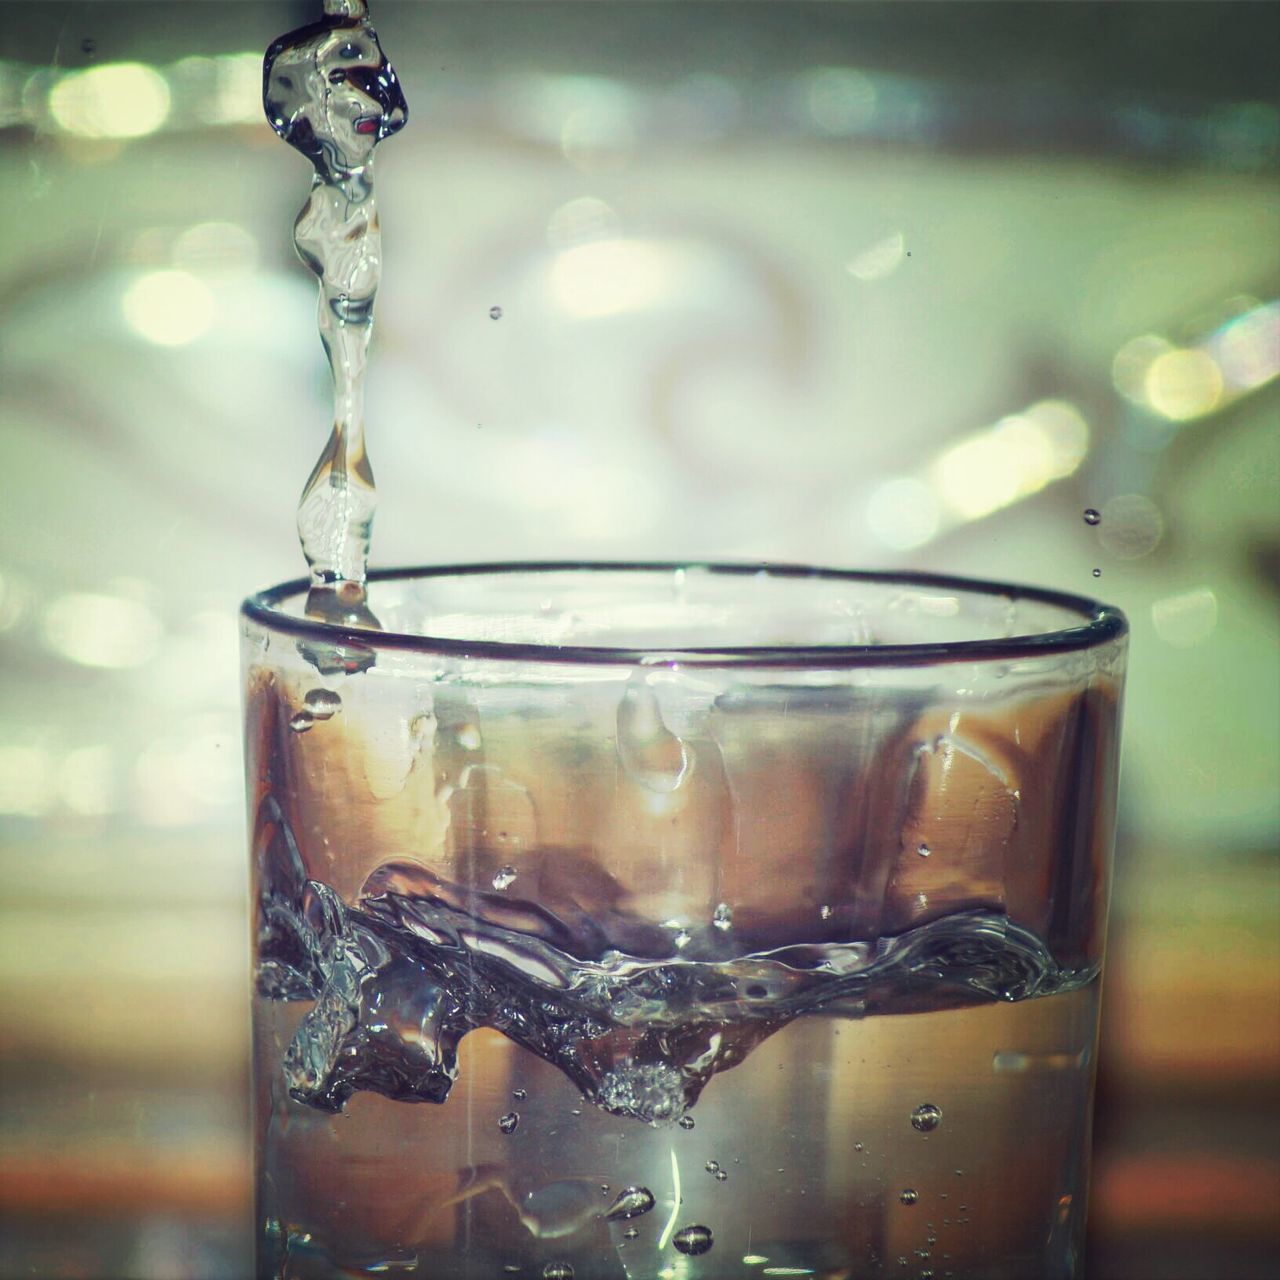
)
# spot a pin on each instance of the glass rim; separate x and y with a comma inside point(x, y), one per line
point(1100, 623)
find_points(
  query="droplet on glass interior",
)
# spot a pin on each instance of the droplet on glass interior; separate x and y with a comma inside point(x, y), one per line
point(519, 1094)
point(322, 703)
point(926, 1117)
point(1097, 573)
point(682, 939)
point(509, 1122)
point(693, 1240)
point(721, 1176)
point(557, 1271)
point(712, 1166)
point(631, 1202)
point(686, 1122)
point(722, 918)
point(302, 722)
point(495, 313)
point(909, 1196)
point(923, 849)
point(504, 878)
point(1092, 516)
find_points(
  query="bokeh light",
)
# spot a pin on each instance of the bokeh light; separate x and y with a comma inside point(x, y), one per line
point(1183, 383)
point(117, 100)
point(169, 308)
point(107, 631)
point(1186, 619)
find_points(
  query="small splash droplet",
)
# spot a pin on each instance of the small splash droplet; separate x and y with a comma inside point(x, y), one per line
point(1092, 516)
point(926, 1117)
point(504, 878)
point(302, 722)
point(909, 1196)
point(519, 1094)
point(631, 1202)
point(322, 703)
point(713, 1166)
point(693, 1240)
point(509, 1122)
point(686, 1122)
point(723, 917)
point(557, 1271)
point(923, 849)
point(1097, 573)
point(495, 313)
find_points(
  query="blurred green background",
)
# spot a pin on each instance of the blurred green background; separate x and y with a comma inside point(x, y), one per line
point(870, 285)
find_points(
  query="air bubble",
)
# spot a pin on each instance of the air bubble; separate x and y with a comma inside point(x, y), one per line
point(322, 703)
point(509, 1122)
point(712, 1166)
point(693, 1240)
point(926, 1117)
point(557, 1271)
point(504, 878)
point(723, 917)
point(1092, 516)
point(721, 1176)
point(1097, 573)
point(909, 1196)
point(923, 849)
point(495, 313)
point(686, 1122)
point(631, 1202)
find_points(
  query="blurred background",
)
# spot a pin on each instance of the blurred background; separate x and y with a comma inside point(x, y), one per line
point(870, 285)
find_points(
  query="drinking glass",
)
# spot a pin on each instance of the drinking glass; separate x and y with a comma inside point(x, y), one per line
point(676, 922)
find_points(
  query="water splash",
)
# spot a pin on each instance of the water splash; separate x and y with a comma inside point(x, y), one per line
point(329, 91)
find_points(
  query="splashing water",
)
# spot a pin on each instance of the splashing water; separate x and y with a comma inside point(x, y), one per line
point(329, 91)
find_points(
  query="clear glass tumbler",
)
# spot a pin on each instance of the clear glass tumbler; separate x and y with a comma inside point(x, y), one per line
point(669, 922)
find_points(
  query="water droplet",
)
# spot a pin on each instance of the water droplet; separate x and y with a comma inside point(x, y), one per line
point(519, 1094)
point(504, 878)
point(509, 1122)
point(721, 1176)
point(693, 1240)
point(712, 1166)
point(630, 1233)
point(825, 911)
point(923, 849)
point(302, 722)
point(631, 1202)
point(858, 1146)
point(468, 737)
point(1097, 573)
point(686, 1122)
point(495, 313)
point(557, 1271)
point(926, 1117)
point(723, 917)
point(1092, 516)
point(649, 752)
point(322, 703)
point(89, 46)
point(682, 939)
point(909, 1196)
